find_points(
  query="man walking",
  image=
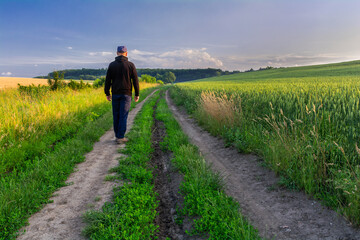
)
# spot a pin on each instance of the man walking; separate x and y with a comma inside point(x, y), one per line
point(120, 77)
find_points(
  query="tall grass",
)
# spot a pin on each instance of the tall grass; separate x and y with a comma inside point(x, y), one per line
point(42, 137)
point(306, 128)
point(31, 126)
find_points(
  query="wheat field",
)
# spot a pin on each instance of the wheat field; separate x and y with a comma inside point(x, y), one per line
point(11, 82)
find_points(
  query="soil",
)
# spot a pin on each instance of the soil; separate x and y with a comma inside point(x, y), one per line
point(86, 189)
point(276, 212)
point(167, 185)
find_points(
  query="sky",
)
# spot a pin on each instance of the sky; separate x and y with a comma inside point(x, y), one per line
point(40, 36)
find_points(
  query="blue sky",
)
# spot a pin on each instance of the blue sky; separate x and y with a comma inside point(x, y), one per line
point(39, 36)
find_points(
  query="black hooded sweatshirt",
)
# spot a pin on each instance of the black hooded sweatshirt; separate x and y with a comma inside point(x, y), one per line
point(121, 76)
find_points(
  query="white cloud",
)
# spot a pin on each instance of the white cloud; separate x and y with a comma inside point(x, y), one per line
point(286, 60)
point(70, 48)
point(6, 74)
point(100, 53)
point(181, 58)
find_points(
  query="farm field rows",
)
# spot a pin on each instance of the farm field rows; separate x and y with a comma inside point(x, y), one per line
point(302, 121)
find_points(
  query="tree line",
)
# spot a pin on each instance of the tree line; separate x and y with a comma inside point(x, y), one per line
point(164, 75)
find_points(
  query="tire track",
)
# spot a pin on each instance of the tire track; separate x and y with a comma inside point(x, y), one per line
point(277, 213)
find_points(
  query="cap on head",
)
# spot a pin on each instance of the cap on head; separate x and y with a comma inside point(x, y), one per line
point(122, 49)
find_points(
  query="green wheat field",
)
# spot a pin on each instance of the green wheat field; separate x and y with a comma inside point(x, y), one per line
point(303, 121)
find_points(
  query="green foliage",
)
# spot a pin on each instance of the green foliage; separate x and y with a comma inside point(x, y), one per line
point(99, 82)
point(302, 121)
point(130, 216)
point(56, 82)
point(74, 85)
point(132, 212)
point(84, 73)
point(33, 91)
point(160, 82)
point(25, 190)
point(147, 78)
point(169, 77)
point(41, 144)
point(181, 74)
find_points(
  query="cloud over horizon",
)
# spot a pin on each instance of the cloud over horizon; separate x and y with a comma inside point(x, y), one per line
point(180, 58)
point(7, 74)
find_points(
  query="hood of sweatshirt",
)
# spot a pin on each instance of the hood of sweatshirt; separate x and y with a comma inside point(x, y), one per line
point(121, 58)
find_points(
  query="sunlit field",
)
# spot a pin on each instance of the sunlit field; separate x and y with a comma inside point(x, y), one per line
point(43, 133)
point(12, 82)
point(303, 121)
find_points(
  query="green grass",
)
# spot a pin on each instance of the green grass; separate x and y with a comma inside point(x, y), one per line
point(215, 214)
point(303, 121)
point(25, 189)
point(132, 212)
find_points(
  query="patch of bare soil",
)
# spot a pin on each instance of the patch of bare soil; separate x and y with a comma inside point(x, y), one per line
point(87, 189)
point(167, 185)
point(276, 213)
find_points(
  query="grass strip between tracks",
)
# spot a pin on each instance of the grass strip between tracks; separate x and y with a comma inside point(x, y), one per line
point(132, 213)
point(215, 214)
point(23, 193)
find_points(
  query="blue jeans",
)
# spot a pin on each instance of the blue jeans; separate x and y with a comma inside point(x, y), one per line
point(120, 106)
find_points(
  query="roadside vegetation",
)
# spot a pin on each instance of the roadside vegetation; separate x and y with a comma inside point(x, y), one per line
point(43, 134)
point(213, 214)
point(303, 121)
point(132, 212)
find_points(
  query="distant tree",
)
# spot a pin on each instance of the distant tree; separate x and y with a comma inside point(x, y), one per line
point(100, 82)
point(159, 76)
point(56, 83)
point(160, 82)
point(148, 78)
point(169, 77)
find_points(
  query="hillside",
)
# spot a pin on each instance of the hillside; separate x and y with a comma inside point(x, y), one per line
point(344, 69)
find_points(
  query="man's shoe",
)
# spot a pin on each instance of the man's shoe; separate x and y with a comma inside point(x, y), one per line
point(121, 140)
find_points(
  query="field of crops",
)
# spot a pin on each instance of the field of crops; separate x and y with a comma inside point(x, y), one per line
point(12, 82)
point(43, 134)
point(304, 122)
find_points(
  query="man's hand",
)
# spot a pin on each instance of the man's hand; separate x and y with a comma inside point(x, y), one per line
point(108, 98)
point(136, 98)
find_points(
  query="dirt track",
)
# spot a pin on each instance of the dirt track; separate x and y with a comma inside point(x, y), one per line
point(62, 219)
point(276, 213)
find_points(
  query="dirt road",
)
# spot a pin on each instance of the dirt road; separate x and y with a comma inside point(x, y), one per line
point(62, 219)
point(276, 213)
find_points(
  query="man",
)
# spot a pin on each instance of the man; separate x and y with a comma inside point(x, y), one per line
point(120, 77)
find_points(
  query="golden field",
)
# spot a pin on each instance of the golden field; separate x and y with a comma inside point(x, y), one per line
point(11, 82)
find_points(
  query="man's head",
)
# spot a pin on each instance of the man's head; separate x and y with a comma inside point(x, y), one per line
point(121, 50)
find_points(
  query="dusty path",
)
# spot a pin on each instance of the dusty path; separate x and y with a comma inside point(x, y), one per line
point(62, 219)
point(277, 213)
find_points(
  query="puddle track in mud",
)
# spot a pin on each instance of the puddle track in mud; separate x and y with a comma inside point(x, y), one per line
point(280, 213)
